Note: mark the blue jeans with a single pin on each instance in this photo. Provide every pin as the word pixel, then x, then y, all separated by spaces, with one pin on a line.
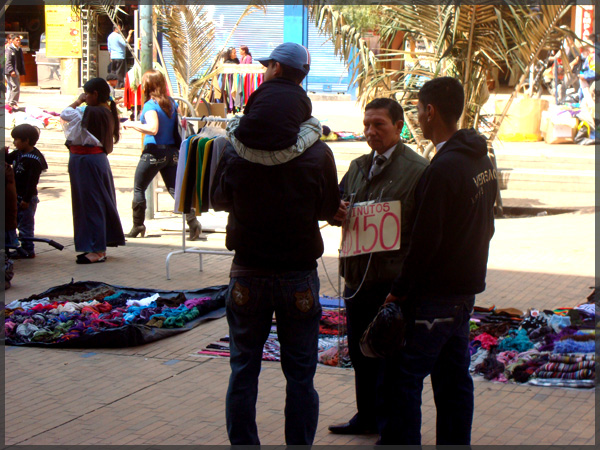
pixel 26 223
pixel 294 296
pixel 437 344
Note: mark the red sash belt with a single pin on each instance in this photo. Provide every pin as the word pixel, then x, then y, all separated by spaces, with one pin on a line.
pixel 82 150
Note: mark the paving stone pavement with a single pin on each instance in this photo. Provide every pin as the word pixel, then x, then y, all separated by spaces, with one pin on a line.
pixel 165 393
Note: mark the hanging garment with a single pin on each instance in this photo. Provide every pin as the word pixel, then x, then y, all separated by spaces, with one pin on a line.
pixel 197 200
pixel 218 148
pixel 189 178
pixel 206 176
pixel 183 154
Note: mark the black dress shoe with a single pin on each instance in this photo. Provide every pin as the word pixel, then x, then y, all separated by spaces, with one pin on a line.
pixel 351 428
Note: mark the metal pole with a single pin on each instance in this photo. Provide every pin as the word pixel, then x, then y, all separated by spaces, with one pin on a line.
pixel 146 64
pixel 340 330
pixel 136 47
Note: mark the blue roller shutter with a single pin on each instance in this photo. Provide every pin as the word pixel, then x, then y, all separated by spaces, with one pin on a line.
pixel 327 72
pixel 168 56
pixel 259 31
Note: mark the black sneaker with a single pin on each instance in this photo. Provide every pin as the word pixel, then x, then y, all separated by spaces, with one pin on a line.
pixel 22 255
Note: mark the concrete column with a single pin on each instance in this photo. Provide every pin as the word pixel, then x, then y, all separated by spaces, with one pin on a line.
pixel 146 64
pixel 69 76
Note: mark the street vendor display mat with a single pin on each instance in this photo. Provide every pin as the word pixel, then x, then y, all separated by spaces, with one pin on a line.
pixel 94 314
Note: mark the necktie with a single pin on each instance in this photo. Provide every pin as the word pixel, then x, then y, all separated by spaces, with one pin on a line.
pixel 377 166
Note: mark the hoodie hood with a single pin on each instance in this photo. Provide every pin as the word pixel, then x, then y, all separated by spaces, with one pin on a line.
pixel 310 132
pixel 467 141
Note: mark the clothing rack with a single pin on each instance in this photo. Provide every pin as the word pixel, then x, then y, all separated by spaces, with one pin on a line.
pixel 184 249
pixel 232 84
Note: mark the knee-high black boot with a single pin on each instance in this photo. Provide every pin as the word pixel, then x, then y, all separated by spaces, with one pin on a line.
pixel 139 214
pixel 194 225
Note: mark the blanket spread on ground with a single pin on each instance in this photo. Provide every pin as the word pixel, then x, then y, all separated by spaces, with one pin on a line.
pixel 95 314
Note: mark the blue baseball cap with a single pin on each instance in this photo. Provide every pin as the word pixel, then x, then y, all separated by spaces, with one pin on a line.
pixel 290 54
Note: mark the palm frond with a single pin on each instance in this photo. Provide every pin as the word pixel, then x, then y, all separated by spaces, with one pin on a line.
pixel 190 35
pixel 465 39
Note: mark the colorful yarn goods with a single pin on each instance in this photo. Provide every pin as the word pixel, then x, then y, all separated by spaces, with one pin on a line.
pixel 331 321
pixel 490 368
pixel 573 346
pixel 564 367
pixel 589 308
pixel 89 310
pixel 507 358
pixel 493 329
pixel 578 337
pixel 585 374
pixel 547 348
pixel 329 357
pixel 487 341
pixel 332 350
pixel 179 320
pixel 522 373
pixel 516 341
pixel 195 302
pixel 571 359
pixel 557 322
pixel 477 358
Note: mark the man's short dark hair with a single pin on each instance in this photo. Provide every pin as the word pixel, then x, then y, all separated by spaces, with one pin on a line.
pixel 26 132
pixel 292 74
pixel 447 95
pixel 393 108
pixel 111 76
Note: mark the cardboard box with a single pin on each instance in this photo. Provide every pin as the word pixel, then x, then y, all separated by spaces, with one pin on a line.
pixel 210 109
pixel 522 122
pixel 560 129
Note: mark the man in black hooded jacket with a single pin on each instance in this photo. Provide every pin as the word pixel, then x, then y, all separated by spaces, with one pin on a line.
pixel 274 209
pixel 445 267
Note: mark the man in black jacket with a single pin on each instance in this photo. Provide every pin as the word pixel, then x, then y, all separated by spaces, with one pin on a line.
pixel 445 267
pixel 15 67
pixel 274 210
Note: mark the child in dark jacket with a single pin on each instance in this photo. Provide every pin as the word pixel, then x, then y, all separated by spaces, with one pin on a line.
pixel 281 100
pixel 10 218
pixel 28 164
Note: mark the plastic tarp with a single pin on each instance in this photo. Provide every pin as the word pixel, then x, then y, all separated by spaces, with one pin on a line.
pixel 131 334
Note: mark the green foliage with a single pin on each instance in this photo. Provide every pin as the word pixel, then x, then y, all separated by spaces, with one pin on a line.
pixel 361 17
pixel 462 40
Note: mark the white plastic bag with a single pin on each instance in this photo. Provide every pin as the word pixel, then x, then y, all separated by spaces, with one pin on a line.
pixel 74 132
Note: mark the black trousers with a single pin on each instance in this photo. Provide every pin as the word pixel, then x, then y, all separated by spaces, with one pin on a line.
pixel 368 372
pixel 152 161
pixel 119 68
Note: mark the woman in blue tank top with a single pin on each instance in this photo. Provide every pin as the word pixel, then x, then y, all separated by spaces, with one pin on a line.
pixel 161 149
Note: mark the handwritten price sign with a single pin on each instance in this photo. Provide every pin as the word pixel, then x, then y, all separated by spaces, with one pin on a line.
pixel 372 227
